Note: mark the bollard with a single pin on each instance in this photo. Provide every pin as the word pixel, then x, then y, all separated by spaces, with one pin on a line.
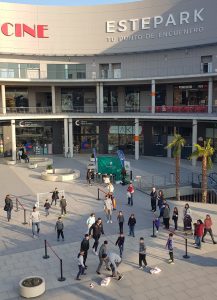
pixel 131 175
pixel 61 278
pixel 17 206
pixel 45 250
pixel 186 249
pixel 24 217
pixel 98 195
pixel 153 234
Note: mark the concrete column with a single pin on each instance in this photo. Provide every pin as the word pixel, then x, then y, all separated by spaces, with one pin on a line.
pixel 210 95
pixel 3 99
pixel 70 138
pixel 194 140
pixel 136 139
pixel 97 98
pixel 13 140
pixel 153 96
pixel 66 137
pixel 53 93
pixel 101 105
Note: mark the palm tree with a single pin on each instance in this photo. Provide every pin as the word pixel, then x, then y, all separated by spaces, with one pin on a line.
pixel 177 143
pixel 205 152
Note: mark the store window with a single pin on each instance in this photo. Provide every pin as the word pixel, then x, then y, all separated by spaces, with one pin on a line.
pixel 110 96
pixel 17 99
pixel 116 71
pixel 14 70
pixel 132 99
pixel 206 64
pixel 104 71
pixel 66 71
pixel 72 100
pixel 160 98
pixel 191 94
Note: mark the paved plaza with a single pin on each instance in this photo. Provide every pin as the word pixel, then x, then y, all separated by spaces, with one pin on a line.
pixel 21 255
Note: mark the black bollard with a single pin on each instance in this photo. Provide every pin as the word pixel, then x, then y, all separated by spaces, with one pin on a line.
pixel 61 278
pixel 17 206
pixel 45 250
pixel 153 234
pixel 131 175
pixel 24 217
pixel 186 249
pixel 98 195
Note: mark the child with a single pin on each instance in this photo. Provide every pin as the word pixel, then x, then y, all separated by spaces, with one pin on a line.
pixel 142 253
pixel 169 246
pixel 46 207
pixel 199 227
pixel 131 224
pixel 175 217
pixel 59 228
pixel 156 223
pixel 81 266
pixel 120 219
pixel 120 243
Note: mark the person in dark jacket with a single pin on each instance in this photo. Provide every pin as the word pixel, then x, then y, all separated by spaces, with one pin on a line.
pixel 55 196
pixel 142 253
pixel 175 217
pixel 63 204
pixel 160 198
pixel 166 216
pixel 131 224
pixel 85 247
pixel 120 219
pixel 153 196
pixel 8 206
pixel 120 243
pixel 59 227
pixel 96 230
pixel 169 246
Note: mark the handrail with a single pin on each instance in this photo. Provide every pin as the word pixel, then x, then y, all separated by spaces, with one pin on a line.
pixel 17 209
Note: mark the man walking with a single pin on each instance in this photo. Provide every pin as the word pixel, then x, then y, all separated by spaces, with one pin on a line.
pixel 84 248
pixel 103 250
pixel 208 228
pixel 153 196
pixel 96 230
pixel 130 192
pixel 108 207
pixel 8 206
pixel 55 196
pixel 63 204
pixel 35 220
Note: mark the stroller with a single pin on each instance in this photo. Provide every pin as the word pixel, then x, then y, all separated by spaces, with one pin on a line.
pixel 187 223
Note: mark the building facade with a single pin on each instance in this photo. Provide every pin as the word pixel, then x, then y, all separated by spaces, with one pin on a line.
pixel 125 76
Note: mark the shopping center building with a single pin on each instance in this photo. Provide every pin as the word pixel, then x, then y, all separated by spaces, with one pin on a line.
pixel 124 76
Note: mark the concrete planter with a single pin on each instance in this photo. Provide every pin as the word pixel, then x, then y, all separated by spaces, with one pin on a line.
pixel 32 286
pixel 11 162
pixel 60 175
pixel 33 166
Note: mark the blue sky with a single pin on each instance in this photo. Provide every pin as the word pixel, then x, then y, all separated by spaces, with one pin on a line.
pixel 68 2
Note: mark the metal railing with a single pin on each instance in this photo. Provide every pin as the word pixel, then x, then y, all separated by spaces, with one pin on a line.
pixel 196 196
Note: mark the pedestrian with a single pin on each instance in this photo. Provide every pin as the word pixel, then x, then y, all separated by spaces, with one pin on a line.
pixel 8 206
pixel 81 266
pixel 35 220
pixel 156 223
pixel 169 246
pixel 153 196
pixel 90 221
pixel 108 207
pixel 199 228
pixel 123 175
pixel 55 196
pixel 114 261
pixel 162 208
pixel 160 198
pixel 63 204
pixel 166 216
pixel 110 188
pixel 46 207
pixel 175 217
pixel 130 192
pixel 120 243
pixel 95 231
pixel 89 176
pixel 186 210
pixel 142 253
pixel 187 218
pixel 103 250
pixel 120 219
pixel 208 228
pixel 59 227
pixel 131 224
pixel 85 245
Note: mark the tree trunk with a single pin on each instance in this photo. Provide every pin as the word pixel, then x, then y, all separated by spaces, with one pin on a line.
pixel 177 178
pixel 204 179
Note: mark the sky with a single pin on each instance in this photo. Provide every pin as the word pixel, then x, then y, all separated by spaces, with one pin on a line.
pixel 67 2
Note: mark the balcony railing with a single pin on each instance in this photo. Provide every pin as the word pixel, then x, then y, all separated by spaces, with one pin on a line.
pixel 182 109
pixel 48 110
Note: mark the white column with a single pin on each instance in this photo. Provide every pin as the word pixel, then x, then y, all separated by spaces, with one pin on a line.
pixel 194 140
pixel 3 99
pixel 210 95
pixel 136 139
pixel 101 105
pixel 66 137
pixel 70 138
pixel 53 95
pixel 153 96
pixel 97 98
pixel 13 140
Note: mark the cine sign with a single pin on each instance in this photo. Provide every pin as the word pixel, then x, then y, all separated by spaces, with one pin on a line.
pixel 21 30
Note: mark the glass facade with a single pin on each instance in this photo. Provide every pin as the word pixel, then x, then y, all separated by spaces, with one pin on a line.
pixel 17 98
pixel 132 99
pixel 66 71
pixel 15 70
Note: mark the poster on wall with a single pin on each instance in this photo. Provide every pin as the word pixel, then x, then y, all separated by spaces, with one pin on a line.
pixel 66 101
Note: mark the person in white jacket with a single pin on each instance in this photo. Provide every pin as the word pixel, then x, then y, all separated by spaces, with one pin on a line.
pixel 114 260
pixel 81 266
pixel 108 207
pixel 90 221
pixel 35 220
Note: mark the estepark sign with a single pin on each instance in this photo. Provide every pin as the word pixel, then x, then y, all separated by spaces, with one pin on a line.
pixel 22 30
pixel 156 22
